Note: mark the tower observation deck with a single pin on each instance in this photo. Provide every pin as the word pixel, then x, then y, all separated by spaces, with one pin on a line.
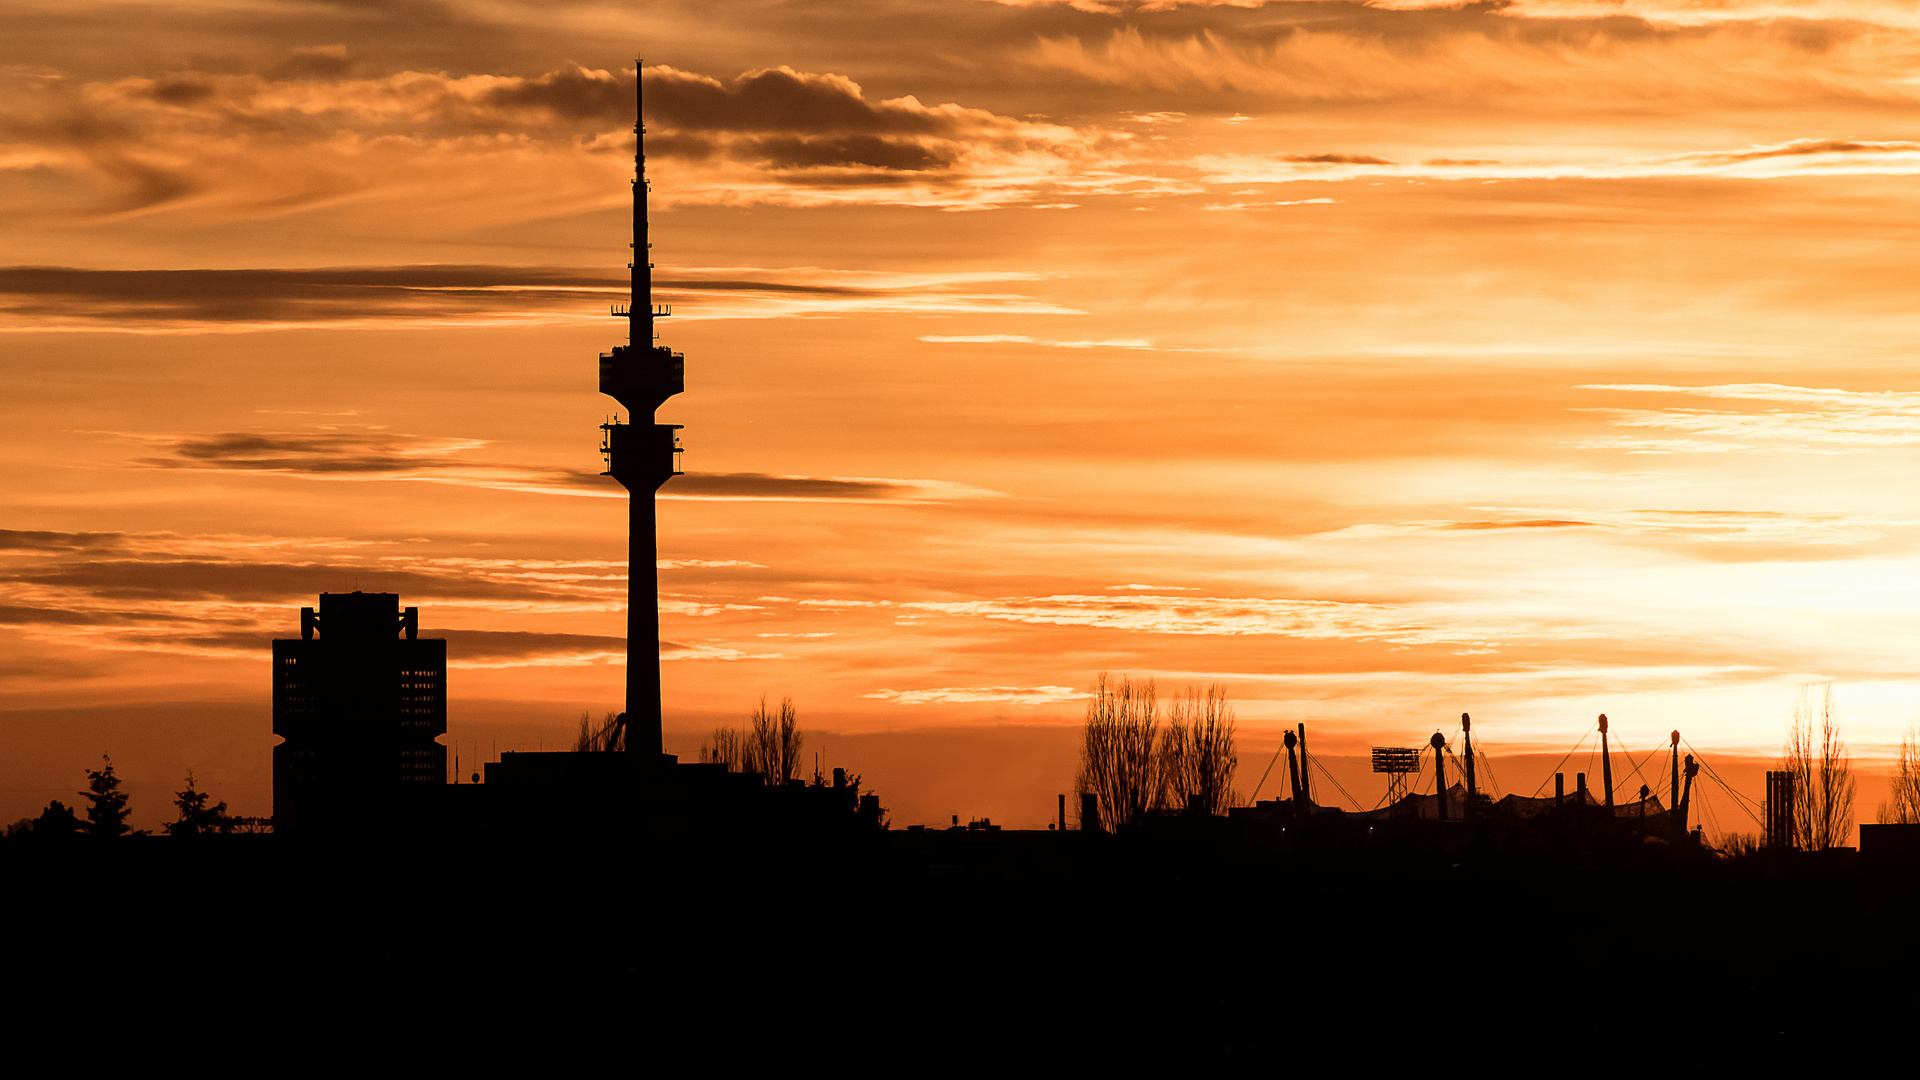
pixel 642 455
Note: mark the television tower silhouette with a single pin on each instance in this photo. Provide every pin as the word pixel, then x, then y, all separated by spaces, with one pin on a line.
pixel 641 375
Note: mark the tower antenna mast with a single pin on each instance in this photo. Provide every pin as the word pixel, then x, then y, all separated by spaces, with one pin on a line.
pixel 640 331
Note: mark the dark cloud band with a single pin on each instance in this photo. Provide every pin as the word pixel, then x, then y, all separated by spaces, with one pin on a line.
pixel 339 293
pixel 400 456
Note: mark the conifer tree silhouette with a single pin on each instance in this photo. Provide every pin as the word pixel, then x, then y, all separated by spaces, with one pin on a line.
pixel 107 809
pixel 196 817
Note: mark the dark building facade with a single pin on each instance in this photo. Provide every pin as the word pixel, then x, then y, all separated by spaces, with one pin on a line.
pixel 359 700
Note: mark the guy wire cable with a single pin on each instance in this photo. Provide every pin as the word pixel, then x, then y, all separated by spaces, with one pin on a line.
pixel 1263 776
pixel 1323 772
pixel 1563 761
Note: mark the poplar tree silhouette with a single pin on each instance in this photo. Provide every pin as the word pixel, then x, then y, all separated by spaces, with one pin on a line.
pixel 769 745
pixel 1822 774
pixel 1196 752
pixel 728 747
pixel 774 741
pixel 1904 807
pixel 1119 764
pixel 107 809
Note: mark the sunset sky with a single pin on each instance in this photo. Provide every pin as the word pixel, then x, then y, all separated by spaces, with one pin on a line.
pixel 1377 361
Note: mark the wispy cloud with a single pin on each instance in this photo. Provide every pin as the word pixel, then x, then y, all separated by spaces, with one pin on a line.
pixel 1022 339
pixel 1007 695
pixel 1789 420
pixel 1682 526
pixel 1196 615
pixel 1810 157
pixel 764 487
pixel 1265 205
pixel 814 292
pixel 1481 53
pixel 1665 12
pixel 1886 13
pixel 705 564
pixel 701 608
pixel 674 650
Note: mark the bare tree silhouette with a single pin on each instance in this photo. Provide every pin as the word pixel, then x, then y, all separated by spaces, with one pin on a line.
pixel 609 734
pixel 1903 808
pixel 728 748
pixel 1119 765
pixel 769 745
pixel 1822 775
pixel 774 741
pixel 1196 751
pixel 1799 767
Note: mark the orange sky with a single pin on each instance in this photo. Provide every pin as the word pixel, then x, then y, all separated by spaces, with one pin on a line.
pixel 1379 362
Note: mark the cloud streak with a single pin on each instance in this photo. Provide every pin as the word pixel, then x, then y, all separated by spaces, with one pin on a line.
pixel 963 695
pixel 379 455
pixel 1789 420
pixel 764 487
pixel 59 297
pixel 1480 53
pixel 1718 527
pixel 1022 339
pixel 1196 615
pixel 1793 159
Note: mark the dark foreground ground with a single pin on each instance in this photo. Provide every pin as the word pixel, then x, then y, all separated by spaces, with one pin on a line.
pixel 884 953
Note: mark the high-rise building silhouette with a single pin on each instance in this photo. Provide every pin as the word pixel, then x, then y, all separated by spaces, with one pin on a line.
pixel 360 707
pixel 642 455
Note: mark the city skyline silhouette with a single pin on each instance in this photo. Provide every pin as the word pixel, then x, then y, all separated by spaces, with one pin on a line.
pixel 1039 343
pixel 1209 533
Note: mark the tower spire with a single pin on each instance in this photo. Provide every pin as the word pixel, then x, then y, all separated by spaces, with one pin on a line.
pixel 642 455
pixel 640 305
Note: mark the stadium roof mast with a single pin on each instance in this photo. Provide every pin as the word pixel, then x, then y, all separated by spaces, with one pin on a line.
pixel 641 375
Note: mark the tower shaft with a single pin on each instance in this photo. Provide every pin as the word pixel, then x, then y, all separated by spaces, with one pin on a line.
pixel 643 625
pixel 641 456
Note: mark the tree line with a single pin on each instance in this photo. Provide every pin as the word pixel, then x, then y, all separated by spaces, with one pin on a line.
pixel 769 744
pixel 106 812
pixel 1138 758
pixel 1820 771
